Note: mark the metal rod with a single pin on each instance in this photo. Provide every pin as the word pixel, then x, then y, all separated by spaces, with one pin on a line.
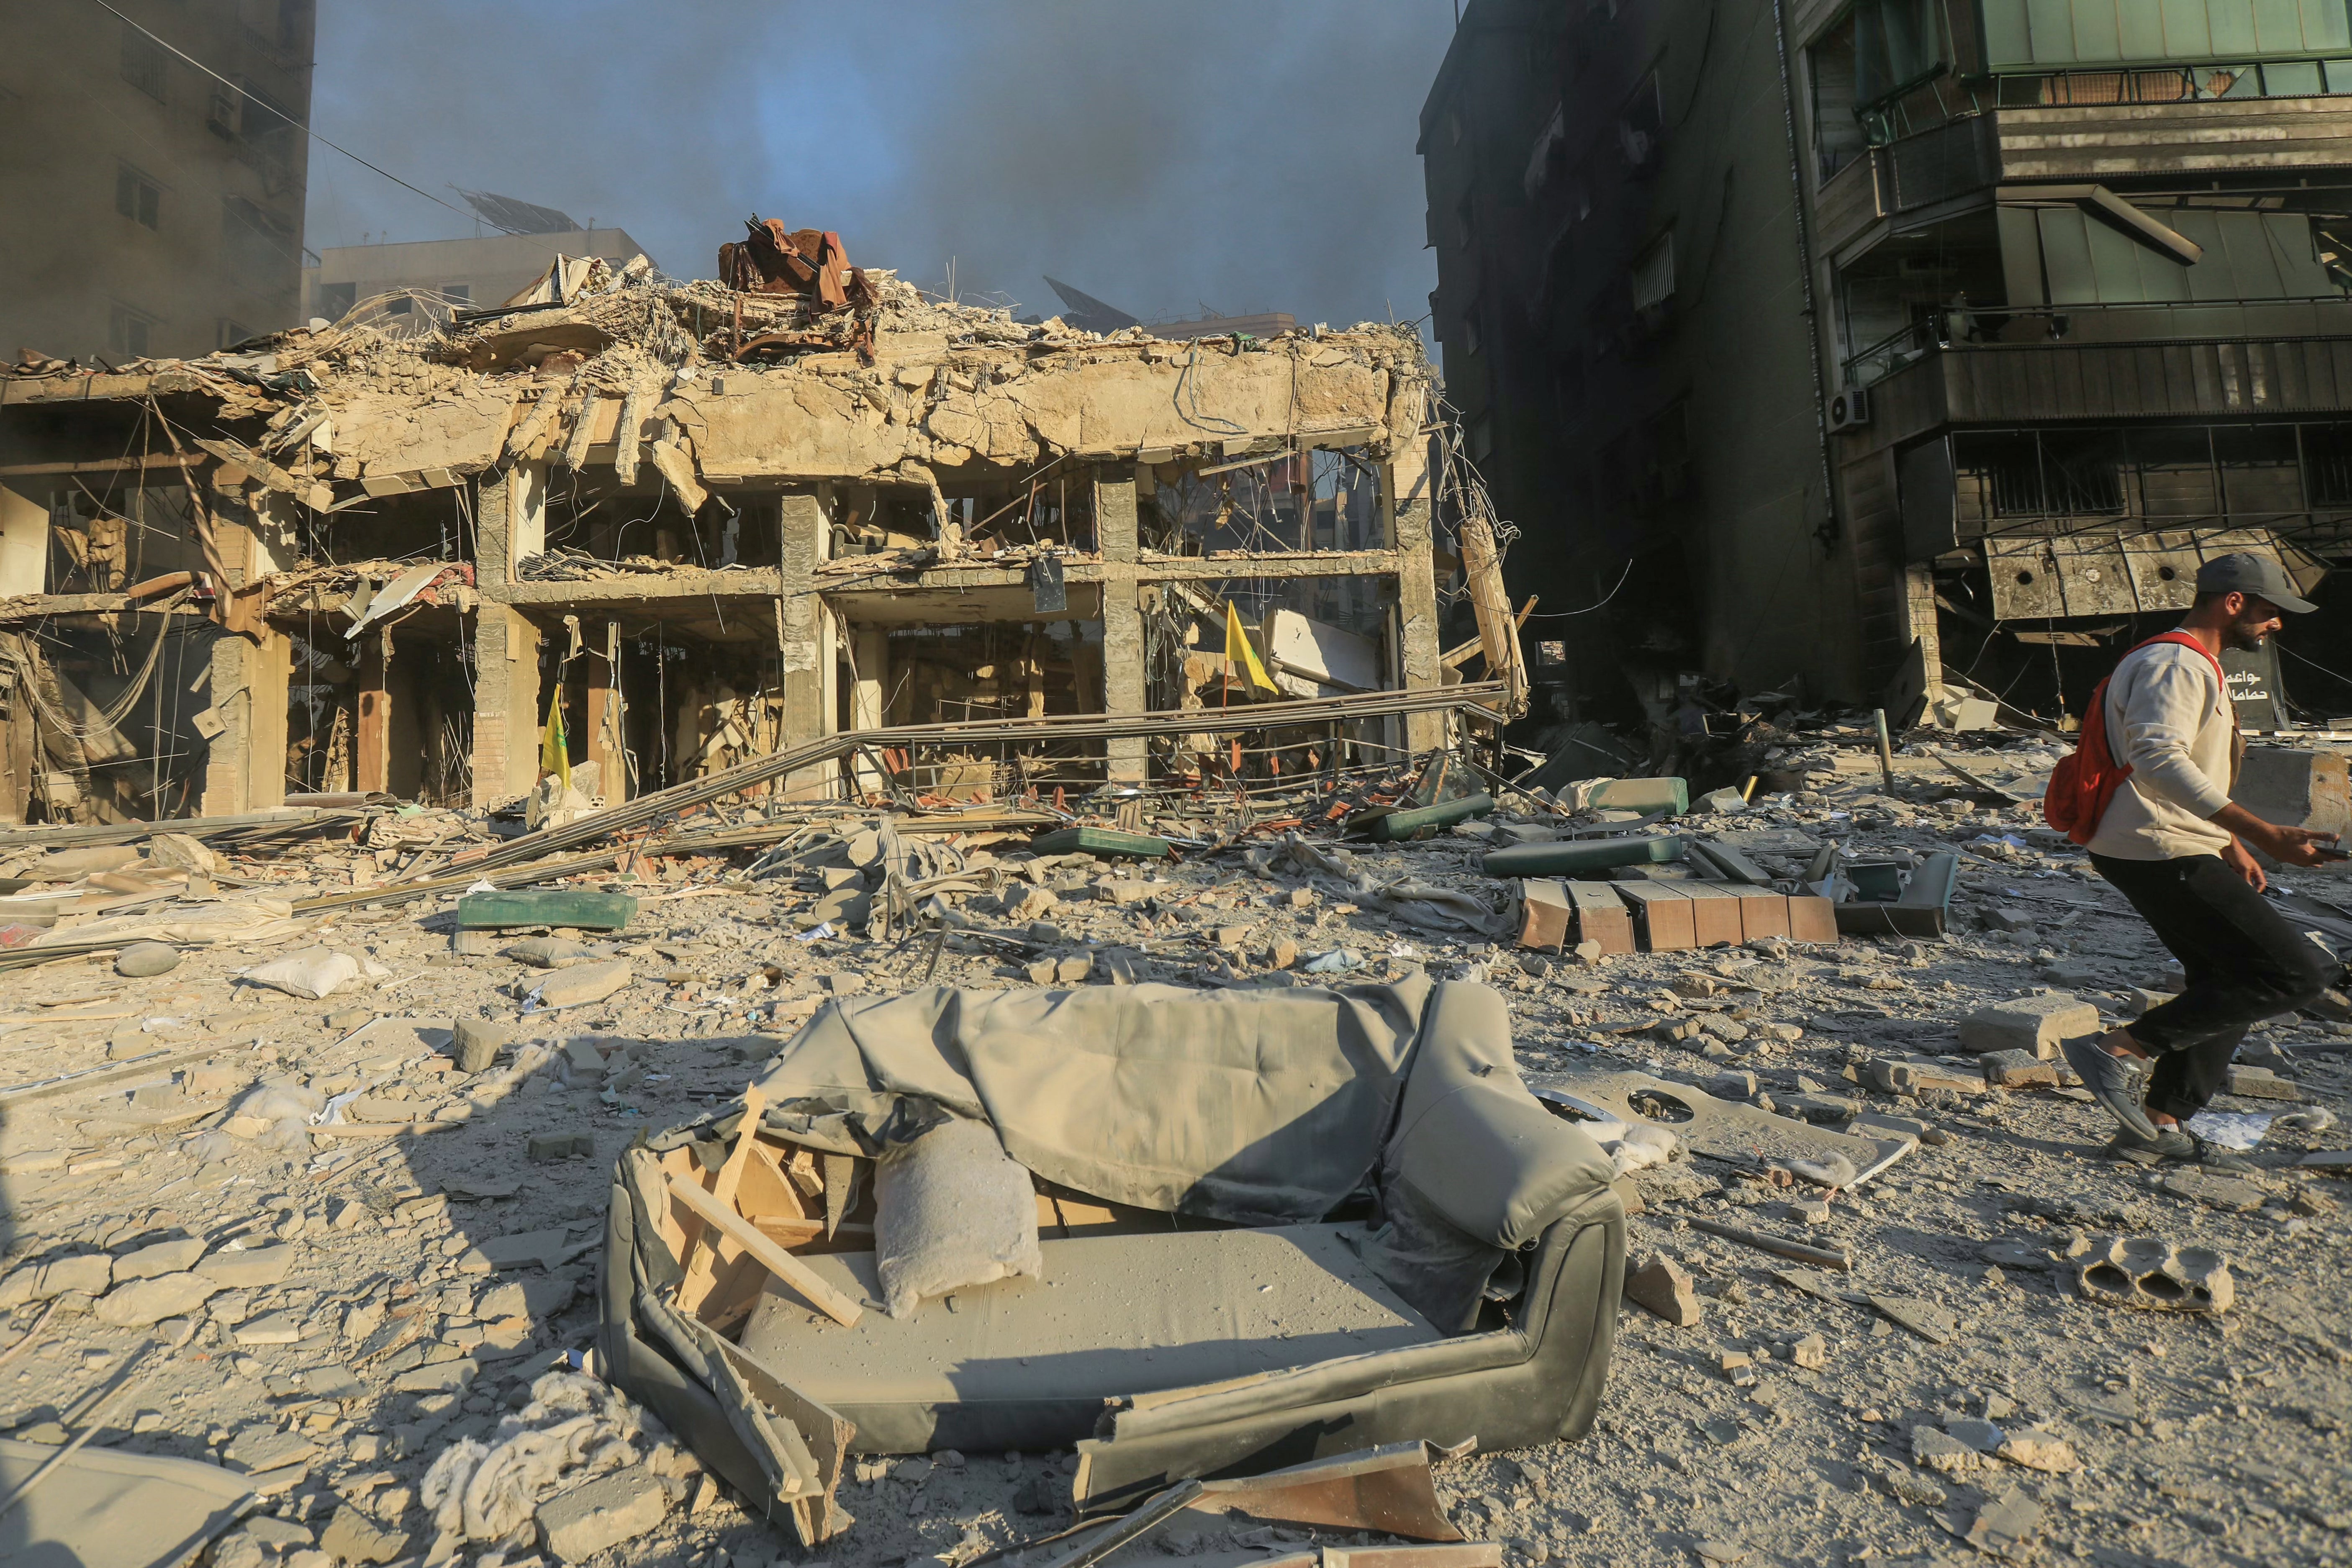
pixel 1885 749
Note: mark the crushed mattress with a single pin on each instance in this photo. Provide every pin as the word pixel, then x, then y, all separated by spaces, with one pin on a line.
pixel 1029 1363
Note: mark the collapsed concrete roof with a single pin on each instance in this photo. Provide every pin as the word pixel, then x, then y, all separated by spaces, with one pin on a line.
pixel 842 395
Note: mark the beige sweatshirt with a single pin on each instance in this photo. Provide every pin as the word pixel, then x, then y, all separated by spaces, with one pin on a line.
pixel 2170 720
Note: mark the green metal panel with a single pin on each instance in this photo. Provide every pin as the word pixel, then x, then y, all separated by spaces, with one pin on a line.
pixel 2187 36
pixel 2021 257
pixel 2300 275
pixel 2115 264
pixel 1570 857
pixel 575 907
pixel 2278 26
pixel 1099 842
pixel 2253 264
pixel 2098 36
pixel 2233 25
pixel 2215 276
pixel 2051 25
pixel 2067 257
pixel 2327 24
pixel 1395 827
pixel 2139 31
pixel 2009 41
pixel 2160 277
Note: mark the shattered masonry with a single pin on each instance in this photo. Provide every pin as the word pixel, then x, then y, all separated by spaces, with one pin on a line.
pixel 725 522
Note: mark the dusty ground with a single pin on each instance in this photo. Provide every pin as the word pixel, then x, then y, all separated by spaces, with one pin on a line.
pixel 2200 1440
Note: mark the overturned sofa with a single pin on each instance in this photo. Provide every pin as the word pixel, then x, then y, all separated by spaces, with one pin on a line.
pixel 1270 1225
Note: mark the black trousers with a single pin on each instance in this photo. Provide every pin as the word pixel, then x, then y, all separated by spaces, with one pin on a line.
pixel 2243 961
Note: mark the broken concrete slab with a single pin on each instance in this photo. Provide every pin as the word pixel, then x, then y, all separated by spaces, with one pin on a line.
pixel 1664 1288
pixel 2034 1024
pixel 247 1267
pixel 580 986
pixel 144 1302
pixel 2152 1275
pixel 600 1515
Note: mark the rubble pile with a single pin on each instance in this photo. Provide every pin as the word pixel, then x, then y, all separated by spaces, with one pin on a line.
pixel 347 1162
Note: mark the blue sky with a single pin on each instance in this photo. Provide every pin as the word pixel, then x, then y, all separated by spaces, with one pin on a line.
pixel 1247 155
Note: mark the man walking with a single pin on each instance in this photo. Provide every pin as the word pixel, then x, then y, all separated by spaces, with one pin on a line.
pixel 2172 841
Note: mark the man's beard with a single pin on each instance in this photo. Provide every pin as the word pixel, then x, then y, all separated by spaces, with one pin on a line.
pixel 2244 634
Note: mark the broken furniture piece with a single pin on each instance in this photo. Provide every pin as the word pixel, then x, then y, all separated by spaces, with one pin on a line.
pixel 1922 909
pixel 559 908
pixel 1473 1299
pixel 1726 1132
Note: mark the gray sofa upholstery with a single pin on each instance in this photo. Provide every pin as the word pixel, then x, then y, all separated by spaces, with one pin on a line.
pixel 1475 1301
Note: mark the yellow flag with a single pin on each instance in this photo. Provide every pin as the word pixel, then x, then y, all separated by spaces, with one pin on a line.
pixel 554 749
pixel 1238 651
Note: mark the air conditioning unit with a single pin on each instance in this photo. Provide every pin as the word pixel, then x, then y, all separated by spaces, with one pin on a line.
pixel 1850 409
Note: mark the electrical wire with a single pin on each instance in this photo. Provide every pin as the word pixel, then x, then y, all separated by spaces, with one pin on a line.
pixel 1564 614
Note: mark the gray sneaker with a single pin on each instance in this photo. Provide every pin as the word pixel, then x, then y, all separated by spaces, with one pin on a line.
pixel 2175 1146
pixel 2117 1083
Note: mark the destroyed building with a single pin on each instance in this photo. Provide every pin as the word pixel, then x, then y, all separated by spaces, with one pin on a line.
pixel 1916 351
pixel 685 525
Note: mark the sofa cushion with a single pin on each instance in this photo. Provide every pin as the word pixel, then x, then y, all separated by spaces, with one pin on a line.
pixel 1027 1364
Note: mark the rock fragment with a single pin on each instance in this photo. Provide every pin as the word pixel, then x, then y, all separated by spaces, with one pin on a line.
pixel 1665 1289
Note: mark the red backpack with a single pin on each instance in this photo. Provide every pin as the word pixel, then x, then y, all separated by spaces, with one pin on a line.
pixel 2086 779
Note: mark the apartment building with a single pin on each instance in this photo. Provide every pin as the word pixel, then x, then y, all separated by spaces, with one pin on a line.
pixel 2014 311
pixel 154 209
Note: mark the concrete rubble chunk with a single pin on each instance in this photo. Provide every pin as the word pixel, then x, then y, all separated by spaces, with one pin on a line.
pixel 2031 1024
pixel 249 1266
pixel 1665 1289
pixel 142 1302
pixel 161 1257
pixel 581 985
pixel 2151 1274
pixel 353 1537
pixel 602 1514
pixel 2261 1083
pixel 1813 1353
pixel 2011 1069
pixel 2005 1526
pixel 1940 1451
pixel 544 1148
pixel 2040 1452
pixel 145 960
pixel 260 1447
pixel 477 1043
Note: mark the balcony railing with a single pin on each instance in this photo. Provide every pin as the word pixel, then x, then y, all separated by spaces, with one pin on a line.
pixel 2174 83
pixel 1984 326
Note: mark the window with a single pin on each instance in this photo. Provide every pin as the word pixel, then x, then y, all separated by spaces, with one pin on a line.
pixel 1898 45
pixel 1452 127
pixel 290 14
pixel 460 294
pixel 1653 274
pixel 143 60
pixel 1544 156
pixel 254 238
pixel 136 197
pixel 1641 123
pixel 229 334
pixel 1482 437
pixel 1472 339
pixel 1462 231
pixel 1838 136
pixel 336 300
pixel 1551 651
pixel 127 330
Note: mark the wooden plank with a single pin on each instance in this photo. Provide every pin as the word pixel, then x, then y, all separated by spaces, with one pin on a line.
pixel 771 1258
pixel 1662 915
pixel 709 1252
pixel 1548 919
pixel 1602 917
pixel 373 769
pixel 1763 912
pixel 1811 919
pixel 1715 912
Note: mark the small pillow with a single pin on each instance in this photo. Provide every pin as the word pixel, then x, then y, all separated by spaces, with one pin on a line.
pixel 951 1209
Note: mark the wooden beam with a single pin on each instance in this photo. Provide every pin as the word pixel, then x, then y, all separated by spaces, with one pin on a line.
pixel 771 1256
pixel 104 465
pixel 372 767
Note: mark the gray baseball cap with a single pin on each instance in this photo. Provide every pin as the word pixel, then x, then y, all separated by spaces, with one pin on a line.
pixel 2257 576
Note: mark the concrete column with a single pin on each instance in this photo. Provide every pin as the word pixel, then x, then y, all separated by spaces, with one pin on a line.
pixel 1123 682
pixel 870 689
pixel 505 706
pixel 493 528
pixel 604 743
pixel 526 514
pixel 1920 625
pixel 1406 521
pixel 24 541
pixel 807 641
pixel 245 764
pixel 371 760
